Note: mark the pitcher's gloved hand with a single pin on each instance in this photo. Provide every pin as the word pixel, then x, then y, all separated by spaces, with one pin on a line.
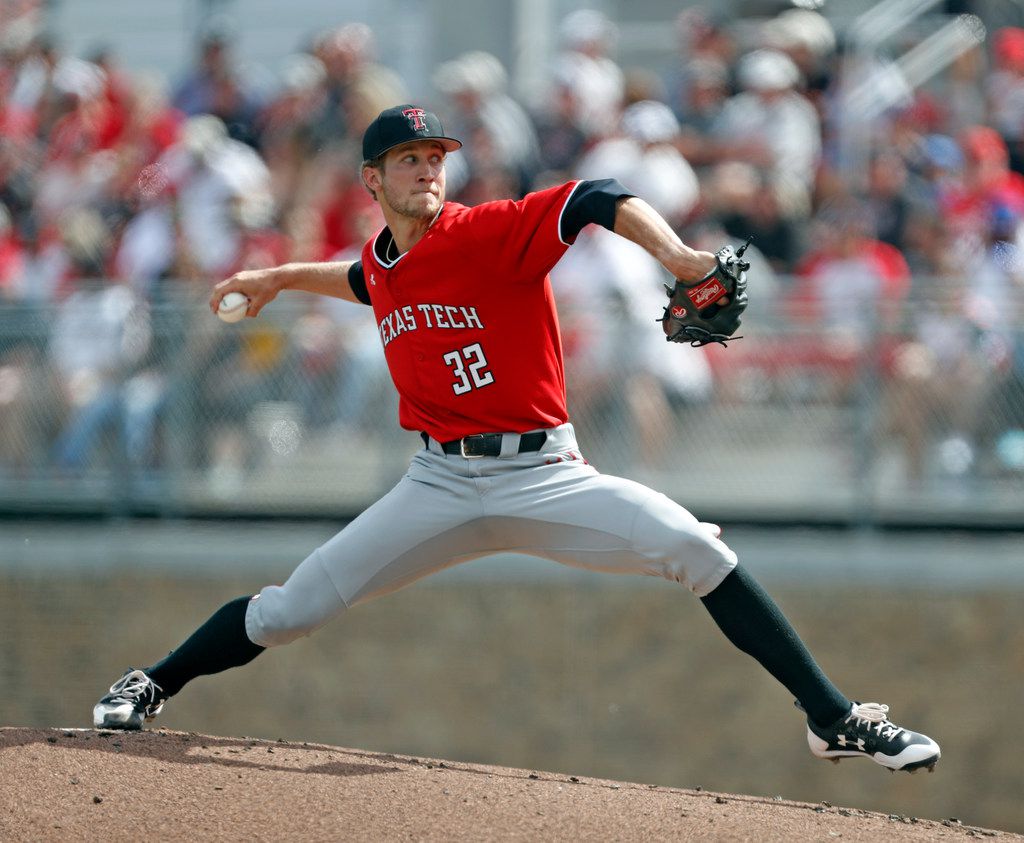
pixel 709 310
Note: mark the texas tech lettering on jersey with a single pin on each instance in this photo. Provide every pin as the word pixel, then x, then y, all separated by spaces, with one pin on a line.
pixel 404 319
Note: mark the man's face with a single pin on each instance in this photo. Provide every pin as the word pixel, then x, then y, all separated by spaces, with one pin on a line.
pixel 411 182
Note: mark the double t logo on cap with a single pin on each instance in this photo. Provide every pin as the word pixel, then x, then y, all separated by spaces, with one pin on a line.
pixel 416 118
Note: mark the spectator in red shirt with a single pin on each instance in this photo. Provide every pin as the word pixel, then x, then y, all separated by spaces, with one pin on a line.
pixel 850 287
pixel 846 241
pixel 12 254
pixel 343 205
pixel 1004 90
pixel 988 183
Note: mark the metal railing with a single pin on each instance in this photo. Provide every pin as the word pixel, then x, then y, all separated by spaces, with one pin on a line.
pixel 115 406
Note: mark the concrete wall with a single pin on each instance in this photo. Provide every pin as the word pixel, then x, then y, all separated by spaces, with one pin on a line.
pixel 581 674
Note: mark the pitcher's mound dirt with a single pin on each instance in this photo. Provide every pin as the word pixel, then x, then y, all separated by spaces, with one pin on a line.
pixel 73 784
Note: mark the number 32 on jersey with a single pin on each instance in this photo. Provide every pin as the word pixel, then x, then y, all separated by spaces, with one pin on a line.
pixel 469 367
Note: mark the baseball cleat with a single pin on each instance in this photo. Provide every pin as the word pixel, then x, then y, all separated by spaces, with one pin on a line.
pixel 134 699
pixel 867 732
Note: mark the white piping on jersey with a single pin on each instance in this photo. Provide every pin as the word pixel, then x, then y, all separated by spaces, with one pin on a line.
pixel 389 264
pixel 567 198
pixel 376 257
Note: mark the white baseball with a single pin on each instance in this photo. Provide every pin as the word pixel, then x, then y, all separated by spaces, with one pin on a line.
pixel 232 307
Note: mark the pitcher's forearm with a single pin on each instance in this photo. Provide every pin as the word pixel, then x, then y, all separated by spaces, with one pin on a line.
pixel 261 286
pixel 637 221
pixel 325 279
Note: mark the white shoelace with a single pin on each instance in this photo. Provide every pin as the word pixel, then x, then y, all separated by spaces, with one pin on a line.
pixel 876 714
pixel 134 685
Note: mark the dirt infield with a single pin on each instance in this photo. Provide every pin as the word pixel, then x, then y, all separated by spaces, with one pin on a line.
pixel 61 784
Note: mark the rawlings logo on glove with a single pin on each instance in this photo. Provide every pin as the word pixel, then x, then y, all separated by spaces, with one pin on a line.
pixel 709 310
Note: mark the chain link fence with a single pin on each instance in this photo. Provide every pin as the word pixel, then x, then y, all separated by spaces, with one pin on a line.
pixel 111 405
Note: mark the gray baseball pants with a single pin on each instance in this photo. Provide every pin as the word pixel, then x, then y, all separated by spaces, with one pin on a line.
pixel 450 509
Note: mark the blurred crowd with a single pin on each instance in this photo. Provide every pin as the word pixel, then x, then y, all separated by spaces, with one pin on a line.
pixel 121 192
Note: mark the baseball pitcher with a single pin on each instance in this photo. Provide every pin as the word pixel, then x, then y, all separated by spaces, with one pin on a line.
pixel 467 323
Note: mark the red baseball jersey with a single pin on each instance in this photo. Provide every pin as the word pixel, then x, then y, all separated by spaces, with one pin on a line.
pixel 468 321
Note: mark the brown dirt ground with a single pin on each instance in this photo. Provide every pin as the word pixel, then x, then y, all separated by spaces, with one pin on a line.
pixel 80 784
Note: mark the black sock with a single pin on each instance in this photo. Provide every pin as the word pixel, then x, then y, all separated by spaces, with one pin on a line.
pixel 753 622
pixel 218 644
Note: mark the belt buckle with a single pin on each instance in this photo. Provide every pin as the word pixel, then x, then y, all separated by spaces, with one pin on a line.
pixel 462 447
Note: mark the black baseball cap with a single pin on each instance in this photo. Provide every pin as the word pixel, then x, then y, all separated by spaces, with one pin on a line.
pixel 402 124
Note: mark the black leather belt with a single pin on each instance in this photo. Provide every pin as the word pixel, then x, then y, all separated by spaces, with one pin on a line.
pixel 489 444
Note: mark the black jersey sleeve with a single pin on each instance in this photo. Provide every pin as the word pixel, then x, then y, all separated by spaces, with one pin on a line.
pixel 592 201
pixel 357 281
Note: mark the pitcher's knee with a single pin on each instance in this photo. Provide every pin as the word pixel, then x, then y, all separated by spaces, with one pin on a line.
pixel 680 548
pixel 273 618
pixel 699 565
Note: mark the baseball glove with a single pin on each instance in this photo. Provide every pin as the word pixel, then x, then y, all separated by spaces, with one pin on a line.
pixel 695 313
